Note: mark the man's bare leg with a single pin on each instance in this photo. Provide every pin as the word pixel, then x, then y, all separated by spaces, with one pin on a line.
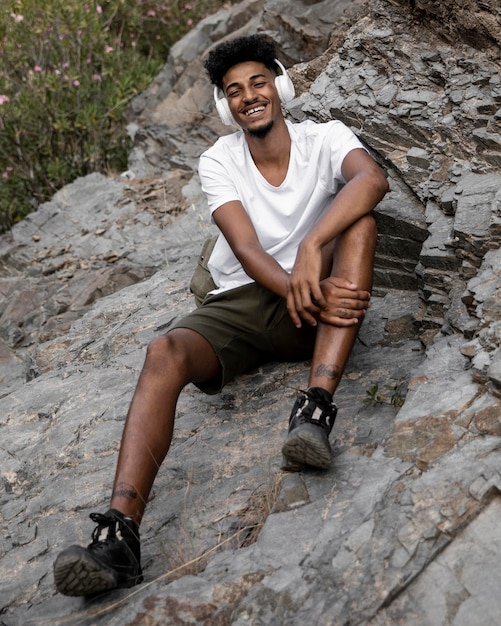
pixel 313 415
pixel 353 259
pixel 113 558
pixel 172 361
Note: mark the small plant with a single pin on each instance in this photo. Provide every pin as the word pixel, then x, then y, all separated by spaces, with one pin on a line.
pixel 391 394
pixel 68 69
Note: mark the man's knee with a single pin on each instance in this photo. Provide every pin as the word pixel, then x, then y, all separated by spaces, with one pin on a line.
pixel 366 227
pixel 165 348
pixel 167 357
pixel 185 351
pixel 158 349
pixel 361 236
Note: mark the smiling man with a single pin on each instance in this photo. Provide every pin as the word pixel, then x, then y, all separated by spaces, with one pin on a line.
pixel 251 76
pixel 293 273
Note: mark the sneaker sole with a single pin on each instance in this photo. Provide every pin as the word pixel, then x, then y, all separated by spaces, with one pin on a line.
pixel 76 573
pixel 289 465
pixel 303 447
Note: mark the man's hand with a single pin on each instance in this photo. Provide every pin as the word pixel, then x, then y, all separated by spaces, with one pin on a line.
pixel 346 304
pixel 305 297
pixel 334 300
pixel 341 303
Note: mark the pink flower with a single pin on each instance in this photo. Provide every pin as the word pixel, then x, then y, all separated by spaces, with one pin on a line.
pixel 108 49
pixel 188 7
pixel 17 17
pixel 189 21
pixel 99 8
pixel 4 99
pixel 96 77
pixel 151 13
pixel 133 44
pixel 65 65
pixel 76 83
pixel 37 68
pixel 57 72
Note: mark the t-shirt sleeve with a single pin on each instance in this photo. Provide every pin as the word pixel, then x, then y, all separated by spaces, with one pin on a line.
pixel 217 182
pixel 339 140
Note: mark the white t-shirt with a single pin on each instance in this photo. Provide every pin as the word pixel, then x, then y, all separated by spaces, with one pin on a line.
pixel 281 215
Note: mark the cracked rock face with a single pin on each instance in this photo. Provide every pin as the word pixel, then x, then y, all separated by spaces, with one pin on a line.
pixel 404 527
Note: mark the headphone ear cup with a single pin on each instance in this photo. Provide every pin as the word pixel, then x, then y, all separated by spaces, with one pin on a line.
pixel 284 85
pixel 223 109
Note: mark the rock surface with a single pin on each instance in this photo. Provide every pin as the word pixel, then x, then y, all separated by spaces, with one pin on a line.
pixel 404 528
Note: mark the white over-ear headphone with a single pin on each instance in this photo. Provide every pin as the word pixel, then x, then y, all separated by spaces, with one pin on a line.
pixel 283 84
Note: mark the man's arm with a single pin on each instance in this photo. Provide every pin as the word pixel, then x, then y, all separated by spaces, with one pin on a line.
pixel 236 226
pixel 366 185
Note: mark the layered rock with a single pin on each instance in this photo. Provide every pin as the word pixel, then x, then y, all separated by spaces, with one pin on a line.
pixel 403 529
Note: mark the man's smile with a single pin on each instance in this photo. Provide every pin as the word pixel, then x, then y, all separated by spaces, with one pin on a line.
pixel 254 110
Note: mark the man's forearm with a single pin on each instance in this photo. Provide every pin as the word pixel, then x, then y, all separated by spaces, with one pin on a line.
pixel 358 198
pixel 264 269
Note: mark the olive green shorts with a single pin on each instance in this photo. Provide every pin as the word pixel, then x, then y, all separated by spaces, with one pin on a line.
pixel 247 326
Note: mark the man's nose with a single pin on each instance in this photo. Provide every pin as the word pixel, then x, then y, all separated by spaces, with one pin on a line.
pixel 249 94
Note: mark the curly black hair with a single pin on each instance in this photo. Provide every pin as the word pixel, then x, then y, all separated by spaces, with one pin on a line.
pixel 228 53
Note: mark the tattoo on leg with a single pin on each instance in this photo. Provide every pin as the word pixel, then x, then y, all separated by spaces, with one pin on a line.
pixel 124 490
pixel 328 371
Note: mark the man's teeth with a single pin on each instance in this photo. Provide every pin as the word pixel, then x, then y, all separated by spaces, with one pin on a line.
pixel 255 110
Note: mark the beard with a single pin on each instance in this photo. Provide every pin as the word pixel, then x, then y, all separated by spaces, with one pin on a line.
pixel 261 132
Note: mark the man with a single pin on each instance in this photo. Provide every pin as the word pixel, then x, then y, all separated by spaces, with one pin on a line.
pixel 293 269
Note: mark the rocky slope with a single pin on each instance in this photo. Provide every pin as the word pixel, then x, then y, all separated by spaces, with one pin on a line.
pixel 404 528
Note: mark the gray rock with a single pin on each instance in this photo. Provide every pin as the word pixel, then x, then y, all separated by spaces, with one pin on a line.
pixel 402 528
pixel 419 158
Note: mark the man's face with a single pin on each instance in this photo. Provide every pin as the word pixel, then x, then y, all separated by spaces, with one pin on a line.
pixel 252 97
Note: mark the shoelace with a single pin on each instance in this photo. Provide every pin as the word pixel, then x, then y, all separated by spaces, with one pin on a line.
pixel 323 413
pixel 105 523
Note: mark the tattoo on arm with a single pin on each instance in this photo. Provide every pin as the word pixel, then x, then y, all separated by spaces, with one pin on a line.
pixel 125 490
pixel 328 371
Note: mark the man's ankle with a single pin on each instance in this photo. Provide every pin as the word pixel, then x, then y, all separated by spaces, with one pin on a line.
pixel 320 392
pixel 130 512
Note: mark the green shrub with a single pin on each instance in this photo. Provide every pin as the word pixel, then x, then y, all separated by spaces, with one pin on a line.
pixel 68 69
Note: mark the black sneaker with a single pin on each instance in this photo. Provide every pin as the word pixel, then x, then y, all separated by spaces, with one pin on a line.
pixel 310 424
pixel 112 560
